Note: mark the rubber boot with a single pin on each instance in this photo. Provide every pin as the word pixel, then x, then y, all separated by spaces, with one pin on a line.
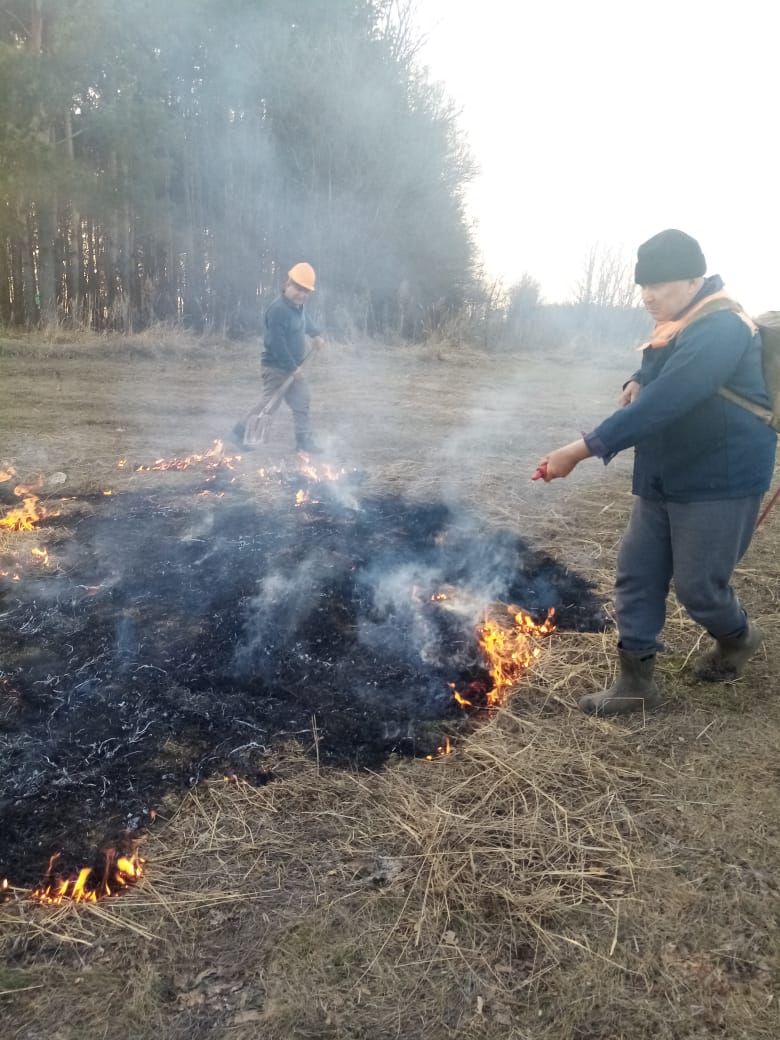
pixel 633 690
pixel 236 436
pixel 306 443
pixel 727 659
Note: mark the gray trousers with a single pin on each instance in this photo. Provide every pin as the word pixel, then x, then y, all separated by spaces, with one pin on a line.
pixel 297 397
pixel 698 544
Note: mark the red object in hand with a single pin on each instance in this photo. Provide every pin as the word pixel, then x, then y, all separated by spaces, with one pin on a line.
pixel 540 473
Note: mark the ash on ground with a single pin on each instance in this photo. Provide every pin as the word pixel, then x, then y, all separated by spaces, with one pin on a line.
pixel 186 635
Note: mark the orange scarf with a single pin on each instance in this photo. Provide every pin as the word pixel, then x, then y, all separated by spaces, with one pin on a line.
pixel 665 331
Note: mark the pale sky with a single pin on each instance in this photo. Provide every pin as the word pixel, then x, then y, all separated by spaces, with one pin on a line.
pixel 605 121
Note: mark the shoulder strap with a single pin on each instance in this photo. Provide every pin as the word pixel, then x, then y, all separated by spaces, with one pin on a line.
pixel 713 306
pixel 764 414
pixel 761 412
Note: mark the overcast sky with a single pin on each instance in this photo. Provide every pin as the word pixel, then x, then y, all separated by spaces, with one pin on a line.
pixel 606 121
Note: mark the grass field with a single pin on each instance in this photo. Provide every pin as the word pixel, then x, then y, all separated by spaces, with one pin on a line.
pixel 555 878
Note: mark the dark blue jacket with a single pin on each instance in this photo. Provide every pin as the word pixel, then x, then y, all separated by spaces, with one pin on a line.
pixel 690 443
pixel 286 328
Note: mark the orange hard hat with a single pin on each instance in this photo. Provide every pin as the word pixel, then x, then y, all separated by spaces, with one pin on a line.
pixel 303 274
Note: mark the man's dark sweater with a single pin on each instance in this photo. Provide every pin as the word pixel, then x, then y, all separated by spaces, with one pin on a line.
pixel 286 328
pixel 693 445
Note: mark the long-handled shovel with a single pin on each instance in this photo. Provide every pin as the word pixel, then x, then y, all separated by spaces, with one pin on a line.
pixel 256 426
pixel 767 509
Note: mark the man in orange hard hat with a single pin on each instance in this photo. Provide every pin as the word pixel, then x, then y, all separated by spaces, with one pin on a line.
pixel 286 327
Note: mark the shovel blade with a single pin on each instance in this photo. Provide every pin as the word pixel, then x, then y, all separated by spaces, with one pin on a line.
pixel 256 431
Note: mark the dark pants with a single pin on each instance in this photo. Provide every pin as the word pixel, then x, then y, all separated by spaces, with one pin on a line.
pixel 297 396
pixel 698 544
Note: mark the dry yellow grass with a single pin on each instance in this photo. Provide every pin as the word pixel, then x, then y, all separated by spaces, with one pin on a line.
pixel 556 878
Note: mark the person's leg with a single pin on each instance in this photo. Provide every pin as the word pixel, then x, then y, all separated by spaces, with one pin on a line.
pixel 271 380
pixel 642 580
pixel 709 539
pixel 644 572
pixel 298 397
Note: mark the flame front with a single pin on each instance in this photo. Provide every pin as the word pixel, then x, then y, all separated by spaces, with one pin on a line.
pixel 320 473
pixel 323 471
pixel 214 458
pixel 25 516
pixel 509 643
pixel 90 884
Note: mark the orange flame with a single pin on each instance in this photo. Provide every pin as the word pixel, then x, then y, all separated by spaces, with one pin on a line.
pixel 214 458
pixel 90 885
pixel 27 515
pixel 322 472
pixel 509 643
pixel 441 751
pixel 41 555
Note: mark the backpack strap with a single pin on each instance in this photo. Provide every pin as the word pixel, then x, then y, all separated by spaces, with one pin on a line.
pixel 723 303
pixel 764 414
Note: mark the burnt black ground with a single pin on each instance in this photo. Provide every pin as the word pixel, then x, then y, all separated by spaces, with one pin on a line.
pixel 182 636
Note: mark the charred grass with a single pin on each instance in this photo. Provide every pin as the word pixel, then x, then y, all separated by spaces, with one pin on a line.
pixel 555 878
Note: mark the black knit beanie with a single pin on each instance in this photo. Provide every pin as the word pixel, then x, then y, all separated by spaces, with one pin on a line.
pixel 669 256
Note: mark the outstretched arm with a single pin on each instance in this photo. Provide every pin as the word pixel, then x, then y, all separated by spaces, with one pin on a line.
pixel 561 462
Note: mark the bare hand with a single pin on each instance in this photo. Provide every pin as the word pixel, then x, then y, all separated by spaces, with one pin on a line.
pixel 561 462
pixel 629 394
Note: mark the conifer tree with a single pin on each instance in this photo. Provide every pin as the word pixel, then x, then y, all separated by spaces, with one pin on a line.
pixel 169 161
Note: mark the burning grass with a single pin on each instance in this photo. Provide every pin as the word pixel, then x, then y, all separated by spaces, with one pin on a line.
pixel 554 878
pixel 115 870
pixel 180 636
pixel 453 887
pixel 539 881
pixel 27 510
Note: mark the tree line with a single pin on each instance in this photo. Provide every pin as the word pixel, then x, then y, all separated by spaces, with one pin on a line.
pixel 169 162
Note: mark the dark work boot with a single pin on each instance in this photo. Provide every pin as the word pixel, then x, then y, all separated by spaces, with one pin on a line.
pixel 633 690
pixel 306 443
pixel 236 435
pixel 727 659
